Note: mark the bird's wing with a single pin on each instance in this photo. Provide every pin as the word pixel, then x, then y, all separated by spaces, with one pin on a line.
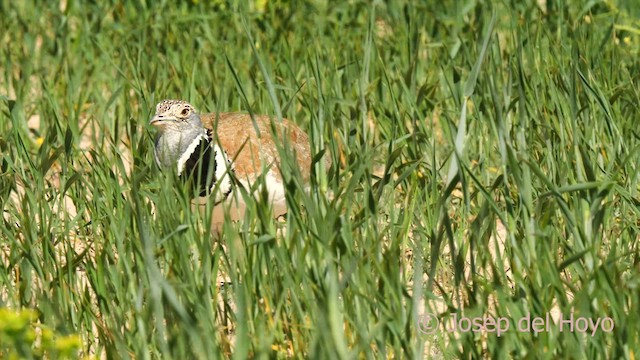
pixel 236 134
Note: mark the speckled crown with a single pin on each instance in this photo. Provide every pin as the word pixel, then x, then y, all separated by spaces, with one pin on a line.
pixel 165 104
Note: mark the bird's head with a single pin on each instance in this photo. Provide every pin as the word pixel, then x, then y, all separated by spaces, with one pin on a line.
pixel 175 115
pixel 180 131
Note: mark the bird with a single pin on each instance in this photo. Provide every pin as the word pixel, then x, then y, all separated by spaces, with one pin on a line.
pixel 220 152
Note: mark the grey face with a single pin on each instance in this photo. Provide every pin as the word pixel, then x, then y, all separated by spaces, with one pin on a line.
pixel 179 128
pixel 175 115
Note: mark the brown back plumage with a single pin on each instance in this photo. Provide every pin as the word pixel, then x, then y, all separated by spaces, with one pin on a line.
pixel 234 129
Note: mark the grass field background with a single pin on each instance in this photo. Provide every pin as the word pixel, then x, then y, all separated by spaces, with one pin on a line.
pixel 485 164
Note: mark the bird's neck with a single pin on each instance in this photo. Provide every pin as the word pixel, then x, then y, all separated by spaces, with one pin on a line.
pixel 171 145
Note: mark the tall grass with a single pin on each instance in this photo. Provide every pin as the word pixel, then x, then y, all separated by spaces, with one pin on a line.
pixel 484 164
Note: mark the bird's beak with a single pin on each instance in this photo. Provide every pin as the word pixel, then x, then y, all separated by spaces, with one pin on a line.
pixel 161 120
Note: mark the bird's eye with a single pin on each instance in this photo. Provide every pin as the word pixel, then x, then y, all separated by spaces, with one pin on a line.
pixel 185 112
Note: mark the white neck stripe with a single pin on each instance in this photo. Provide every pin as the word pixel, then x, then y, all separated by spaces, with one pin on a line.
pixel 221 176
pixel 182 160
